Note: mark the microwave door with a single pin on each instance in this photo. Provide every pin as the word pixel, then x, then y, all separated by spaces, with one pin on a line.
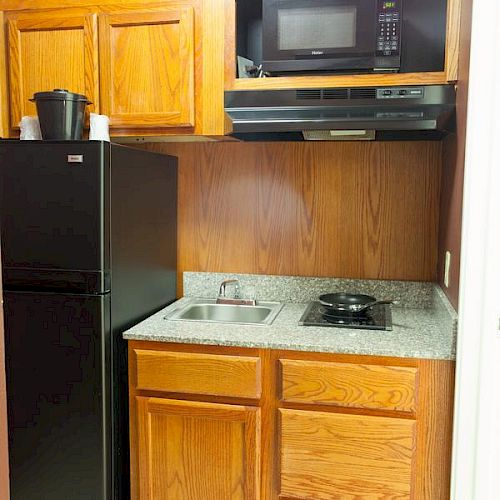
pixel 321 35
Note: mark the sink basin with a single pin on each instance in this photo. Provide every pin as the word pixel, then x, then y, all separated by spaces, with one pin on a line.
pixel 207 310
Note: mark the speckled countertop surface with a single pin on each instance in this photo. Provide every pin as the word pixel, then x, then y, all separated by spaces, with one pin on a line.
pixel 420 332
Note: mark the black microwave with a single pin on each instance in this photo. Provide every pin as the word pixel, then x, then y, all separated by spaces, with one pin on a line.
pixel 351 35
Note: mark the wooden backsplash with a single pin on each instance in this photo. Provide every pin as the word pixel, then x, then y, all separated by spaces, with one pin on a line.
pixel 352 209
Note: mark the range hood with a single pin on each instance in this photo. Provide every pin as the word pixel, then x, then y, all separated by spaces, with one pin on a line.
pixel 406 108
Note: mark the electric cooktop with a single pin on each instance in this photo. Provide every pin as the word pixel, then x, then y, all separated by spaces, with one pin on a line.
pixel 378 317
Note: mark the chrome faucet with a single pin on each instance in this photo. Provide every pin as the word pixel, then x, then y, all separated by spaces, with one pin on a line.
pixel 222 288
pixel 237 299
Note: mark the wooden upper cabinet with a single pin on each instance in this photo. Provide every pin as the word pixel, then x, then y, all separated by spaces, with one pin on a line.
pixel 192 451
pixel 155 68
pixel 56 49
pixel 147 68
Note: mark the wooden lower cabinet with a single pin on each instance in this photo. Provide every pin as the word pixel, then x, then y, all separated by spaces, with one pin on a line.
pixel 350 385
pixel 198 373
pixel 257 424
pixel 331 455
pixel 192 451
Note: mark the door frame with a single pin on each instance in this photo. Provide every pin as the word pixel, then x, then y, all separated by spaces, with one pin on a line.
pixel 476 450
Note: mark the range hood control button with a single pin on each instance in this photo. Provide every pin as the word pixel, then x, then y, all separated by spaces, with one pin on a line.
pixel 401 93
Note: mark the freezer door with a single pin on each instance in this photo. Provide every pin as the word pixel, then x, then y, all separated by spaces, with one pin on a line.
pixel 54 205
pixel 57 362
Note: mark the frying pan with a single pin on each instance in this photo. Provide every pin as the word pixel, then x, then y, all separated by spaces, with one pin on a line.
pixel 349 302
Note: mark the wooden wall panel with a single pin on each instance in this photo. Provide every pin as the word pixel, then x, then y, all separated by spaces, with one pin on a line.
pixel 450 226
pixel 358 210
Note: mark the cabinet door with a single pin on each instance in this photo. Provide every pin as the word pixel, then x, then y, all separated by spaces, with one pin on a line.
pixel 147 66
pixel 49 51
pixel 191 451
pixel 331 455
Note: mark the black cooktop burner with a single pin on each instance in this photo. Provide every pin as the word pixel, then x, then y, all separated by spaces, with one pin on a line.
pixel 376 318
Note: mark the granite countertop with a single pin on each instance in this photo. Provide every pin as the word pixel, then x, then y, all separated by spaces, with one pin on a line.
pixel 427 331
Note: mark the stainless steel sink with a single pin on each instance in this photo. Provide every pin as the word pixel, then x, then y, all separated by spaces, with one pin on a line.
pixel 208 310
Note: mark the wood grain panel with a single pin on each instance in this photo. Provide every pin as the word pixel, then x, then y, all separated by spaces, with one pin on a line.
pixel 434 430
pixel 269 429
pixel 359 210
pixel 434 417
pixel 36 42
pixel 450 226
pixel 213 115
pixel 353 457
pixel 209 116
pixel 229 44
pixel 144 48
pixel 346 384
pixel 50 4
pixel 235 376
pixel 147 67
pixel 4 94
pixel 189 451
pixel 452 39
pixel 312 82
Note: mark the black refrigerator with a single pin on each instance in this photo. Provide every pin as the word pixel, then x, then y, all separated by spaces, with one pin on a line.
pixel 88 232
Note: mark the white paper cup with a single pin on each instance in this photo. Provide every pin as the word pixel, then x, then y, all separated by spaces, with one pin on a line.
pixel 30 129
pixel 99 127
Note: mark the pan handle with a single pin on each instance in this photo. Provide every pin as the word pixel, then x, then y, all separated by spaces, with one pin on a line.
pixel 359 308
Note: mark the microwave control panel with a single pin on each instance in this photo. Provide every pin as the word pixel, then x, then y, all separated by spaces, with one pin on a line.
pixel 388 30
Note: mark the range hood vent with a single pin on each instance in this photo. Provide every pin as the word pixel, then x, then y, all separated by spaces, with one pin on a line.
pixel 363 93
pixel 322 94
pixel 309 94
pixel 335 93
pixel 317 94
pixel 409 108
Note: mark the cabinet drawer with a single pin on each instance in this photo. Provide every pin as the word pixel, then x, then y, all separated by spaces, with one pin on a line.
pixel 352 385
pixel 329 455
pixel 210 374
